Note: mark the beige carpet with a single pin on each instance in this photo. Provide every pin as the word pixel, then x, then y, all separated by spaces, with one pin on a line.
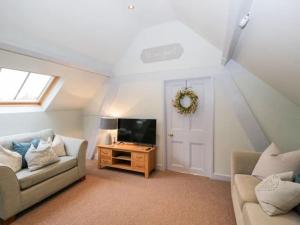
pixel 110 197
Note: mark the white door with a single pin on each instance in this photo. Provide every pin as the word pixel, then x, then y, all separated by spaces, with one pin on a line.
pixel 190 137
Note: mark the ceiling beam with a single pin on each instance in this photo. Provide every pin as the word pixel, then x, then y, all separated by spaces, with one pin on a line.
pixel 238 9
pixel 69 59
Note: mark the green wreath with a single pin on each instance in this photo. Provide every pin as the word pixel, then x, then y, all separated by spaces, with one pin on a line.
pixel 181 94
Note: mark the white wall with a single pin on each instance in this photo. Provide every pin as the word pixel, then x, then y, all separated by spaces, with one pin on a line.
pixel 141 96
pixel 137 88
pixel 67 123
pixel 277 115
pixel 197 51
pixel 229 134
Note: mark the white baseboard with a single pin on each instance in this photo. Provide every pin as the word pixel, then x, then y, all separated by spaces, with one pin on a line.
pixel 222 177
pixel 215 176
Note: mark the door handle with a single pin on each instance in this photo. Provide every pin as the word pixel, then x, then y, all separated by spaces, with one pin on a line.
pixel 171 135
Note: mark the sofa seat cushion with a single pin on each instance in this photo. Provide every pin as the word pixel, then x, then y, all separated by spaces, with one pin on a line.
pixel 27 179
pixel 245 187
pixel 254 215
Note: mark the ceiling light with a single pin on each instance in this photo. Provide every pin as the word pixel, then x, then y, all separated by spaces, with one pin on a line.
pixel 131 7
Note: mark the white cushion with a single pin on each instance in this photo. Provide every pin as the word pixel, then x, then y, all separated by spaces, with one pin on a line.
pixel 59 146
pixel 41 156
pixel 45 143
pixel 277 194
pixel 10 159
pixel 272 161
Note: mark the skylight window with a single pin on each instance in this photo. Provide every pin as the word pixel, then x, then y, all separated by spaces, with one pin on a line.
pixel 19 87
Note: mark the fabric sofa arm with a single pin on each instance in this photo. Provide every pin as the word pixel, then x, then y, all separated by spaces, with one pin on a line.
pixel 243 162
pixel 10 197
pixel 77 148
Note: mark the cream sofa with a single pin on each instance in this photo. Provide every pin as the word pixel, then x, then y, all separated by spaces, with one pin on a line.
pixel 23 189
pixel 246 207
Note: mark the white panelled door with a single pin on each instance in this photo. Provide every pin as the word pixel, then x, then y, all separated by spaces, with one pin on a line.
pixel 190 137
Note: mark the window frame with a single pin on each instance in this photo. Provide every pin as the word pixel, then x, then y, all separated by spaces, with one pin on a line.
pixel 44 93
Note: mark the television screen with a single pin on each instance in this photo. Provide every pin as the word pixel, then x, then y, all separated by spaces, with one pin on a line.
pixel 141 131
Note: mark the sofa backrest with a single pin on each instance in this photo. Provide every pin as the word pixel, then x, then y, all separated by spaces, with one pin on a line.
pixel 6 141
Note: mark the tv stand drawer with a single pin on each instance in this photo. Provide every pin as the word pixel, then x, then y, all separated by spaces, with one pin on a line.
pixel 106 157
pixel 106 161
pixel 138 157
pixel 140 166
pixel 106 152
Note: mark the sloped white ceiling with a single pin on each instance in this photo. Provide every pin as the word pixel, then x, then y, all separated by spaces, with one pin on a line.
pixel 96 33
pixel 101 30
pixel 98 29
pixel 207 17
pixel 92 35
pixel 269 47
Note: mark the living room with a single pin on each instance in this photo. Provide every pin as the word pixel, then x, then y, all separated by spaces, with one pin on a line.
pixel 138 112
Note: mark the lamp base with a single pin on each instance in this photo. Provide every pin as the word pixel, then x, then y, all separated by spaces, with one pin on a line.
pixel 108 139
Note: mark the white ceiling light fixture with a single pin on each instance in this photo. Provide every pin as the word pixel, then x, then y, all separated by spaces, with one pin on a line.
pixel 131 7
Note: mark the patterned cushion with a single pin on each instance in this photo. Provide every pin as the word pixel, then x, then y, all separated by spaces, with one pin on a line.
pixel 277 194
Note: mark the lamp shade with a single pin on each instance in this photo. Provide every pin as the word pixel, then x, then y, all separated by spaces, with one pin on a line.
pixel 108 123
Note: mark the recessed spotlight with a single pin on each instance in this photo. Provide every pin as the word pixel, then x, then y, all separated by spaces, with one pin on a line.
pixel 131 7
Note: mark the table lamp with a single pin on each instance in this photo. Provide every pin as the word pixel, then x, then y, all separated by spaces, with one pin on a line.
pixel 108 123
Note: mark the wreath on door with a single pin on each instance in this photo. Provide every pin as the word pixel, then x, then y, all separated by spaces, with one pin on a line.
pixel 180 96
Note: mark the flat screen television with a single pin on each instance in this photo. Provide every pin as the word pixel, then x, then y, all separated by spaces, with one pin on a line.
pixel 141 131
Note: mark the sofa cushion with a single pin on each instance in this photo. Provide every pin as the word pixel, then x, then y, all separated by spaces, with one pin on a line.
pixel 254 215
pixel 41 156
pixel 27 179
pixel 245 186
pixel 274 161
pixel 6 141
pixel 58 146
pixel 277 194
pixel 23 147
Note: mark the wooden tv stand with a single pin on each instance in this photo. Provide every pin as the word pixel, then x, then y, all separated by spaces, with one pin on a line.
pixel 131 157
